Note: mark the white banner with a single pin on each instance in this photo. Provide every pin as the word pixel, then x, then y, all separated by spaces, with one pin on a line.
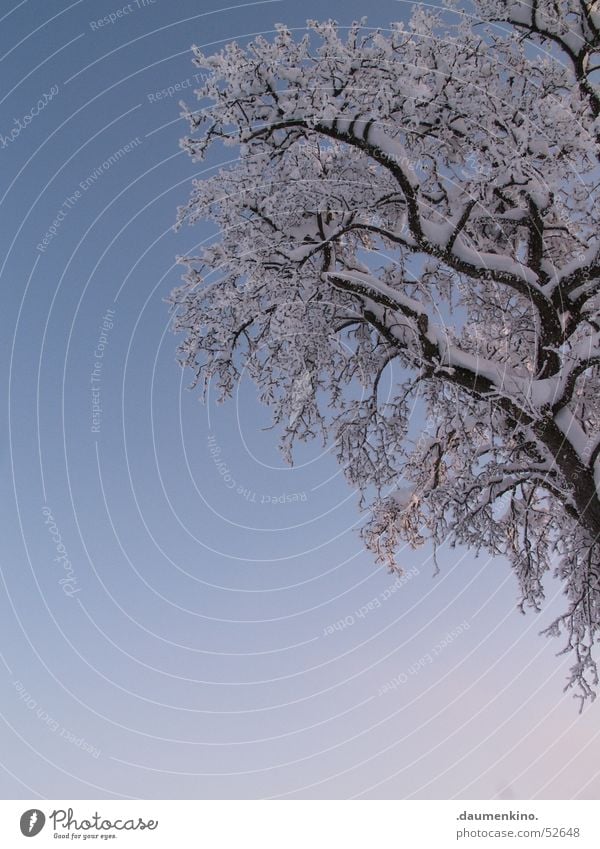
pixel 301 824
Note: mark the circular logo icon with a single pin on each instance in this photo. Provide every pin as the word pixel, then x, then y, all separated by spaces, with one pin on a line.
pixel 32 822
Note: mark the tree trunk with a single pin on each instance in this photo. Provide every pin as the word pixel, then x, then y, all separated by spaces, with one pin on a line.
pixel 579 477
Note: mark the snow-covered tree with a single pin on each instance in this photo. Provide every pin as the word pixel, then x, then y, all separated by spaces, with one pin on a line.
pixel 420 204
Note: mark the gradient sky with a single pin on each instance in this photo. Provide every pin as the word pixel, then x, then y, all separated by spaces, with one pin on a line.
pixel 190 653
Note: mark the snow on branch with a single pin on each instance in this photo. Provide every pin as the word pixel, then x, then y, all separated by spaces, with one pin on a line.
pixel 422 199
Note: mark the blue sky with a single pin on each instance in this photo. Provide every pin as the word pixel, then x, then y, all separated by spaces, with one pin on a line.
pixel 207 641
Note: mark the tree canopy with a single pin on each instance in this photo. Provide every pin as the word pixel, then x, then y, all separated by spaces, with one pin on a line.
pixel 419 202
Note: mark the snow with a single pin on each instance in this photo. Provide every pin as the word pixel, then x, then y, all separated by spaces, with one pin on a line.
pixel 574 433
pixel 494 262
